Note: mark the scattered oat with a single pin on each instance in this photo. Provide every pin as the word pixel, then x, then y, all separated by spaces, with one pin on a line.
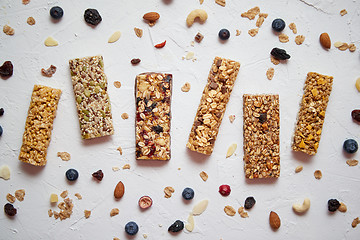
pixel 117 84
pixel 229 210
pixel 270 73
pixel 30 21
pixel 251 13
pixel 355 222
pixel 283 38
pixel 114 212
pixel 238 32
pixel 25 2
pixel 253 32
pixel 51 42
pixel 352 47
pixel 138 32
pixel 352 162
pixel 318 174
pixel 298 169
pixel 232 118
pixel 186 87
pixel 221 2
pixel 48 72
pixel 204 176
pixel 299 39
pixel 115 169
pixel 124 116
pixel 114 37
pixel 343 12
pixel 8 30
pixel 50 213
pixel 78 195
pixel 292 26
pixel 20 194
pixel 342 207
pixel 241 209
pixel 126 166
pixel 201 1
pixel 10 198
pixel 260 21
pixel 264 15
pixel 120 150
pixel 87 213
pixel 231 150
pixel 64 194
pixel 168 191
pixel 274 60
pixel 65 156
pixel 244 214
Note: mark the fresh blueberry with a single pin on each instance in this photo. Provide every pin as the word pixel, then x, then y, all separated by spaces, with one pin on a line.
pixel 278 25
pixel 350 146
pixel 188 193
pixel 1 111
pixel 1 131
pixel 131 228
pixel 72 174
pixel 56 12
pixel 177 226
pixel 224 34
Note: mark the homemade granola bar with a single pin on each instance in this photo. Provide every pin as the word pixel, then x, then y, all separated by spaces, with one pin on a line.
pixel 311 116
pixel 153 115
pixel 38 125
pixel 261 136
pixel 92 100
pixel 212 106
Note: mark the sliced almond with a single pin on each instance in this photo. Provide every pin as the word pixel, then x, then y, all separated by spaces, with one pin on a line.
pixel 200 207
pixel 51 42
pixel 114 37
pixel 190 223
pixel 5 172
pixel 231 150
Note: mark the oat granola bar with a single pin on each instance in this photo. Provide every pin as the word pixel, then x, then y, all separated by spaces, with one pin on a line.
pixel 92 100
pixel 261 136
pixel 38 125
pixel 212 105
pixel 153 115
pixel 311 116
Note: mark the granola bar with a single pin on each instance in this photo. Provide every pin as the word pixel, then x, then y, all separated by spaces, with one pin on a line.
pixel 261 136
pixel 38 125
pixel 92 100
pixel 212 105
pixel 153 115
pixel 311 116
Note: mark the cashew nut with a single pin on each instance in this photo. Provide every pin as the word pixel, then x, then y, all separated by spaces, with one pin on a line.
pixel 302 208
pixel 197 13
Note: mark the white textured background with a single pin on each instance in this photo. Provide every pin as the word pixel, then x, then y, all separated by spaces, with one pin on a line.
pixel 76 39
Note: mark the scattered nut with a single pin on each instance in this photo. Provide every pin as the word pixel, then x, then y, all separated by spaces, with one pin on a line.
pixel 232 118
pixel 51 42
pixel 204 176
pixel 30 21
pixel 298 169
pixel 78 195
pixel 126 166
pixel 20 194
pixel 64 194
pixel 8 30
pixel 299 39
pixel 114 37
pixel 342 207
pixel 343 12
pixel 64 156
pixel 274 220
pixel 117 84
pixel 197 13
pixel 168 191
pixel 302 208
pixel 352 162
pixel 270 73
pixel 325 40
pixel 352 47
pixel 283 38
pixel 186 87
pixel 199 37
pixel 50 213
pixel 10 198
pixel 221 2
pixel 292 26
pixel 87 213
pixel 231 150
pixel 355 222
pixel 318 174
pixel 138 32
pixel 343 47
pixel 229 210
pixel 200 207
pixel 253 32
pixel 114 212
pixel 124 116
pixel 151 17
pixel 119 190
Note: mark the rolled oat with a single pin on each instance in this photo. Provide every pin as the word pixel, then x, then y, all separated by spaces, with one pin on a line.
pixel 204 176
pixel 168 191
pixel 299 39
pixel 253 32
pixel 270 73
pixel 229 210
pixel 65 156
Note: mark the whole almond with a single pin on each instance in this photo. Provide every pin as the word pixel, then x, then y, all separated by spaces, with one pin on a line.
pixel 119 190
pixel 325 40
pixel 274 220
pixel 151 16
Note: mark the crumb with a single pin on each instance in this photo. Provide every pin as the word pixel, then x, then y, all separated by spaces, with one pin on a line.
pixel 145 236
pixel 20 194
pixel 138 32
pixel 114 212
pixel 274 60
pixel 251 13
pixel 253 32
pixel 50 213
pixel 115 169
pixel 126 166
pixel 65 156
pixel 168 191
pixel 221 2
pixel 292 27
pixel 64 194
pixel 30 21
pixel 270 73
pixel 117 84
pixel 229 210
pixel 124 116
pixel 120 150
pixel 318 174
pixel 343 12
pixel 352 47
pixel 78 195
pixel 10 198
pixel 232 118
pixel 283 38
pixel 186 87
pixel 260 21
pixel 298 169
pixel 87 213
pixel 48 72
pixel 238 32
pixel 179 169
pixel 8 30
pixel 25 2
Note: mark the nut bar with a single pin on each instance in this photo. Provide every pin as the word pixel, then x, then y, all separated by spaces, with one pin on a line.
pixel 261 136
pixel 38 125
pixel 212 105
pixel 92 100
pixel 153 116
pixel 311 116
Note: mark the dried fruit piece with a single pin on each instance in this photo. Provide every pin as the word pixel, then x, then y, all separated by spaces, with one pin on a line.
pixel 186 87
pixel 199 37
pixel 117 84
pixel 53 198
pixel 114 37
pixel 350 146
pixel 6 70
pixel 5 172
pixel 225 190
pixel 299 39
pixel 20 194
pixel 283 38
pixel 325 40
pixel 135 61
pixel 10 210
pixel 204 176
pixel 190 223
pixel 30 21
pixel 229 210
pixel 274 220
pixel 92 16
pixel 270 73
pixel 168 191
pixel 145 202
pixel 8 30
pixel 72 174
pixel 343 12
pixel 87 213
pixel 48 72
pixel 177 226
pixel 138 32
pixel 160 45
pixel 98 175
pixel 200 207
pixel 318 174
pixel 10 198
pixel 333 205
pixel 231 150
pixel 342 207
pixel 249 202
pixel 279 54
pixel 51 42
pixel 355 222
pixel 119 190
pixel 352 162
pixel 114 212
pixel 298 169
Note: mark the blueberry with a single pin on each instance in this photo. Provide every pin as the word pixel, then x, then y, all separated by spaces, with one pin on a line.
pixel 350 146
pixel 56 12
pixel 278 25
pixel 188 193
pixel 177 226
pixel 1 131
pixel 224 34
pixel 1 111
pixel 131 228
pixel 72 174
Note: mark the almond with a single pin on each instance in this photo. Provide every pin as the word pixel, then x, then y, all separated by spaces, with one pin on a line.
pixel 119 190
pixel 274 220
pixel 151 16
pixel 325 40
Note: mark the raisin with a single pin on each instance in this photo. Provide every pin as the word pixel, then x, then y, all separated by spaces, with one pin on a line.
pixel 138 99
pixel 98 175
pixel 1 111
pixel 249 202
pixel 9 209
pixel 92 16
pixel 333 205
pixel 279 54
pixel 355 114
pixel 158 129
pixel 135 61
pixel 177 226
pixel 263 117
pixel 6 70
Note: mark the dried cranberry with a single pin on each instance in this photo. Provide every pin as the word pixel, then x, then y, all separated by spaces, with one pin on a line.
pixel 6 70
pixel 224 190
pixel 135 61
pixel 10 210
pixel 92 16
pixel 1 111
pixel 279 54
pixel 355 114
pixel 98 175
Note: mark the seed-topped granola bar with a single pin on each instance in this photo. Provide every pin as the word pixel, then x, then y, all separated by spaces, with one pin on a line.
pixel 311 116
pixel 92 100
pixel 38 126
pixel 261 136
pixel 212 106
pixel 153 116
